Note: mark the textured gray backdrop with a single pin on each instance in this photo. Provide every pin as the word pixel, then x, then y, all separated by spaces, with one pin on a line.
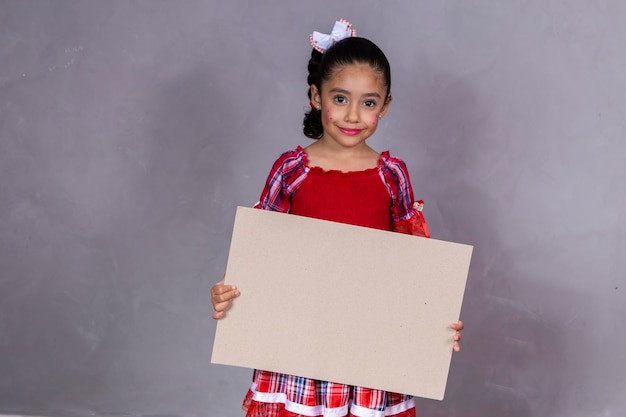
pixel 129 131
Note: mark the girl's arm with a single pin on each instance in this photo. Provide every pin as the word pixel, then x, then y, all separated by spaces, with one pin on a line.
pixel 288 171
pixel 407 215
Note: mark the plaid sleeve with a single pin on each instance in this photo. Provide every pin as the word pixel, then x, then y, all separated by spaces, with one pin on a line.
pixel 283 181
pixel 406 214
pixel 395 175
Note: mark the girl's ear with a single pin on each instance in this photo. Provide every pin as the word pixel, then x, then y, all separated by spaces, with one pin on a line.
pixel 383 111
pixel 315 96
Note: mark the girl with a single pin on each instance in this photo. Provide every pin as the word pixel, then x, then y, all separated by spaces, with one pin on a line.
pixel 338 178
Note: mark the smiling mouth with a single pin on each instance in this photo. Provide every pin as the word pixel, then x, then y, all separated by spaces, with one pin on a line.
pixel 350 132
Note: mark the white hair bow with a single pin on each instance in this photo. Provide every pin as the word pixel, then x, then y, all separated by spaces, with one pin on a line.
pixel 342 30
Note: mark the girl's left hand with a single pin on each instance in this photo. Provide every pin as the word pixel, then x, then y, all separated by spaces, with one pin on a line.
pixel 458 326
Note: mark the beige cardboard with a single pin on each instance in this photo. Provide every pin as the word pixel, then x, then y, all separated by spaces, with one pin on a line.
pixel 343 303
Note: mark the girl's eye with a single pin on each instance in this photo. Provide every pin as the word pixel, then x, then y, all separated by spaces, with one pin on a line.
pixel 340 99
pixel 369 103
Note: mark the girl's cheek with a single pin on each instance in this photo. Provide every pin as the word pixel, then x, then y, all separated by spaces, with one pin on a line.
pixel 374 120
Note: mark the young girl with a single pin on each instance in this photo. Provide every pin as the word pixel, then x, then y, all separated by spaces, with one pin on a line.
pixel 338 178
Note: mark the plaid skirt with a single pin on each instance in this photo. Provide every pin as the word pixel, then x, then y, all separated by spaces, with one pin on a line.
pixel 279 395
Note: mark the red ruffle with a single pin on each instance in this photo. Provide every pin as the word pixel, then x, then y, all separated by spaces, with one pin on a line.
pixel 260 409
pixel 415 226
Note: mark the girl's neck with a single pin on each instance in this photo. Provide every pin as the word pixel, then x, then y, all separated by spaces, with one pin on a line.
pixel 336 158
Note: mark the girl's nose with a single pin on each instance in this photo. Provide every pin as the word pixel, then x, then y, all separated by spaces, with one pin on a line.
pixel 352 113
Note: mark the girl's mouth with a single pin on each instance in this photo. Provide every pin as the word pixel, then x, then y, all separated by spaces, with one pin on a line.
pixel 349 132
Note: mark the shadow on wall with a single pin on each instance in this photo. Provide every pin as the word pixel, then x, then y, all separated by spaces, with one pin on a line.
pixel 507 363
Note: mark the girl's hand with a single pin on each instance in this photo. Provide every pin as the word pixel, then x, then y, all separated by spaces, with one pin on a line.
pixel 221 297
pixel 458 326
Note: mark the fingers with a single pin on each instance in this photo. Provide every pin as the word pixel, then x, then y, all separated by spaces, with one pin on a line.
pixel 457 339
pixel 218 315
pixel 221 298
pixel 221 293
pixel 458 326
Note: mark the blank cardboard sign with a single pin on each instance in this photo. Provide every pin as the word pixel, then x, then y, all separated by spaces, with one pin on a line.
pixel 342 303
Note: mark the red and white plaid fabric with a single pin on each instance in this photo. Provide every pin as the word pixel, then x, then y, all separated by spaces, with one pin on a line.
pixel 280 395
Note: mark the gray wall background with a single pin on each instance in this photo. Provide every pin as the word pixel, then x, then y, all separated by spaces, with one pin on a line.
pixel 129 131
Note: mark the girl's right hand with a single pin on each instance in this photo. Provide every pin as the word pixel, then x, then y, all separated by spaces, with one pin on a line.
pixel 221 297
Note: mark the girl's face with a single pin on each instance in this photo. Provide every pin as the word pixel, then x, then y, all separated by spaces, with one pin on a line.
pixel 352 101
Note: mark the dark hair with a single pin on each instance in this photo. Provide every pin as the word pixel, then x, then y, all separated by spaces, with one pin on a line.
pixel 321 67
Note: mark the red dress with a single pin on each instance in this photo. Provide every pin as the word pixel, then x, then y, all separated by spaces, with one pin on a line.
pixel 380 198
